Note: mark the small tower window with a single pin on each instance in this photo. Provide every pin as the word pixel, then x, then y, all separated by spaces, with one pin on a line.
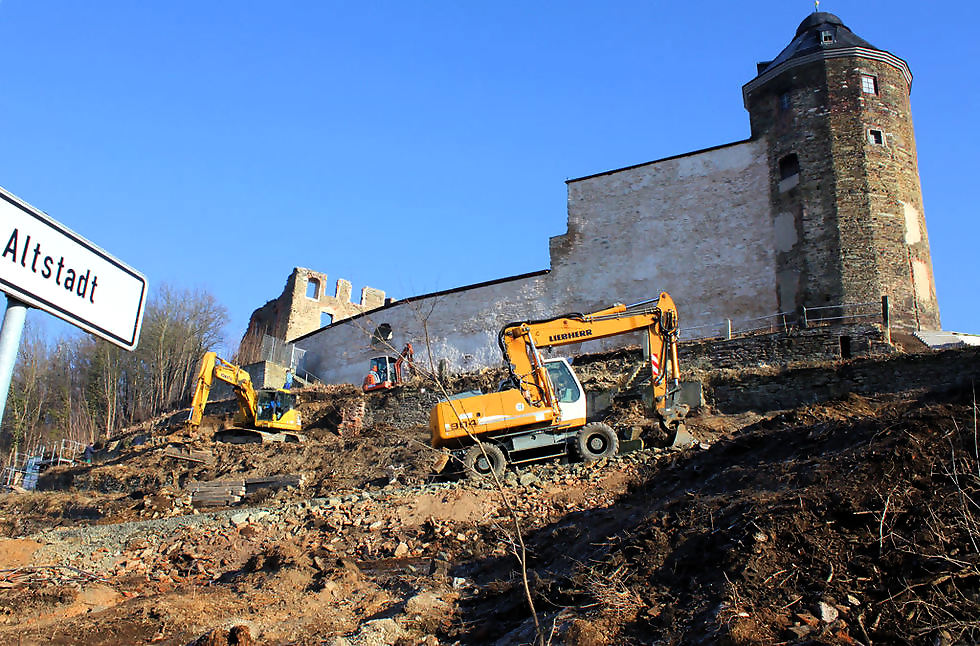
pixel 785 102
pixel 789 166
pixel 869 84
pixel 326 318
pixel 827 36
pixel 876 137
pixel 312 288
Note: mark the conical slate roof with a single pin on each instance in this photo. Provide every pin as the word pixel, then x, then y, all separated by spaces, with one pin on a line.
pixel 821 36
pixel 810 38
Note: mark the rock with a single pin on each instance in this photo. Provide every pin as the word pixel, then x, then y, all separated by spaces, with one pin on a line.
pixel 401 550
pixel 828 613
pixel 379 632
pixel 528 479
pixel 241 518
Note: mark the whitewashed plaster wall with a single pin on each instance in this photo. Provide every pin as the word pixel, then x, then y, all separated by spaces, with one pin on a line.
pixel 461 327
pixel 698 226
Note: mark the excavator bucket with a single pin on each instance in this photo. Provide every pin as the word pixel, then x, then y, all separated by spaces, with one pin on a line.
pixel 682 438
pixel 442 460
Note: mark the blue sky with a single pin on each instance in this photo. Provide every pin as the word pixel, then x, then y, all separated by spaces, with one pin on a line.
pixel 415 147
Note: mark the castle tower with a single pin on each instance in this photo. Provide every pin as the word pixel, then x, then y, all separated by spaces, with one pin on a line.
pixel 844 178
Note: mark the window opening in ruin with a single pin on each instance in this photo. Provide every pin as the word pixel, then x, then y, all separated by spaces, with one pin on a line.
pixel 869 84
pixel 312 288
pixel 785 103
pixel 827 36
pixel 845 347
pixel 789 166
pixel 326 318
pixel 382 337
pixel 876 137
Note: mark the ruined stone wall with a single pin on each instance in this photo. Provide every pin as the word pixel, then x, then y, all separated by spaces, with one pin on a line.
pixel 298 310
pixel 783 348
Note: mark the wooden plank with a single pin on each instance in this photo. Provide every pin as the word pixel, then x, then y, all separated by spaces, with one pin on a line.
pixel 190 455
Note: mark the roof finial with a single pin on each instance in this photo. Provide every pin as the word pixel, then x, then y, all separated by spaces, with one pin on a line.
pixel 816 6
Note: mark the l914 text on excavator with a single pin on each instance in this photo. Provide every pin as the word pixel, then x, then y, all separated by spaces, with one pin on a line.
pixel 541 410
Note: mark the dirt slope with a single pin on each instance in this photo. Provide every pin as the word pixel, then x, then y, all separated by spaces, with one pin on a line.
pixel 849 522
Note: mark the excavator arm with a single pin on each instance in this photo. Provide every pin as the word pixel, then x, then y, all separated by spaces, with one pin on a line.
pixel 213 367
pixel 521 342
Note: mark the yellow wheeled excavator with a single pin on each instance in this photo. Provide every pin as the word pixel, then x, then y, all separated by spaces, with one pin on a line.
pixel 266 414
pixel 540 411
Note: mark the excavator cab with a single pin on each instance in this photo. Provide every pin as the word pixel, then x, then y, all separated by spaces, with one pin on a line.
pixel 383 374
pixel 387 372
pixel 271 404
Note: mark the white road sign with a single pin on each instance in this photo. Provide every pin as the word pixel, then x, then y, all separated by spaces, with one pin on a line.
pixel 47 265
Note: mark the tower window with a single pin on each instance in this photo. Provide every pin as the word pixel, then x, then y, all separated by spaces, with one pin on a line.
pixel 789 166
pixel 785 102
pixel 869 84
pixel 876 137
pixel 826 36
pixel 326 318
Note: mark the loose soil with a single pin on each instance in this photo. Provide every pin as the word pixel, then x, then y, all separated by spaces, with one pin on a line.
pixel 847 522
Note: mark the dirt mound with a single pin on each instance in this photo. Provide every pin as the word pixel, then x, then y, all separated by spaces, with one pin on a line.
pixel 849 522
pixel 858 526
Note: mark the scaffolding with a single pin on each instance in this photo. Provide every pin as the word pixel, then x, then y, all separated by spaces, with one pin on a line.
pixel 25 466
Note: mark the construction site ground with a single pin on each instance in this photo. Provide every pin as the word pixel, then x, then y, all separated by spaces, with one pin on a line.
pixel 853 521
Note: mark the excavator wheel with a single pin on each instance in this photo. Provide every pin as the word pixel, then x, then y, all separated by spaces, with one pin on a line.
pixel 477 465
pixel 596 441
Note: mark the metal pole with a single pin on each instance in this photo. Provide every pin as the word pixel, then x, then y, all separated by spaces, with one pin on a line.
pixel 13 326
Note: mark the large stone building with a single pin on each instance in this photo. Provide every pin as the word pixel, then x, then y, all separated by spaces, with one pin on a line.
pixel 821 206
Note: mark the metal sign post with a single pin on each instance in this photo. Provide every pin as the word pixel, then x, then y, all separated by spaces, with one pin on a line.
pixel 45 264
pixel 13 326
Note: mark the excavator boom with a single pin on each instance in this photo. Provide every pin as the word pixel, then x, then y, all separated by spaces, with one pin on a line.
pixel 274 410
pixel 520 342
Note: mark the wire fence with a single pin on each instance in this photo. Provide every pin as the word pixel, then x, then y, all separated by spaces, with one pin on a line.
pixel 279 352
pixel 804 317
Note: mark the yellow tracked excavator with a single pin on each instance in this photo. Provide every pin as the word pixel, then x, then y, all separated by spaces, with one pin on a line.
pixel 541 411
pixel 264 415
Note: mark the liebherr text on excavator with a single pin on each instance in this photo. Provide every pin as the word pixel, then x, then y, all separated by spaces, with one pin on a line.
pixel 541 410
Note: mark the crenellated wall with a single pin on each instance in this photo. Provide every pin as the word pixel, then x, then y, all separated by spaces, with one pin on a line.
pixel 300 309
